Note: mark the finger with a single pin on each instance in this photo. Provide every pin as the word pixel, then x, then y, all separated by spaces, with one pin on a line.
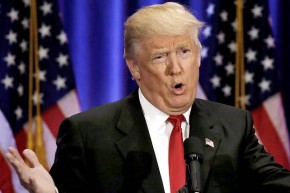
pixel 16 154
pixel 31 157
pixel 16 164
pixel 10 158
pixel 13 157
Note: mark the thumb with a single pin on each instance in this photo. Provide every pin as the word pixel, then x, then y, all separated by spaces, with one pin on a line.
pixel 31 157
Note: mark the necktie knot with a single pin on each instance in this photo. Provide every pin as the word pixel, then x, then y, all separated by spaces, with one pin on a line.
pixel 176 120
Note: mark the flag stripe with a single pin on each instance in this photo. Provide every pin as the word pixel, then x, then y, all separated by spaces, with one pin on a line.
pixel 6 140
pixel 53 117
pixel 270 136
pixel 65 104
pixel 6 184
pixel 275 110
pixel 50 144
pixel 21 140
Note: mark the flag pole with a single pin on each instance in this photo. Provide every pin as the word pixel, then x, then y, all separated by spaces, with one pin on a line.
pixel 39 145
pixel 240 98
pixel 30 90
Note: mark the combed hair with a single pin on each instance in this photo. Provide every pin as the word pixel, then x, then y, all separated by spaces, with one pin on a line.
pixel 168 19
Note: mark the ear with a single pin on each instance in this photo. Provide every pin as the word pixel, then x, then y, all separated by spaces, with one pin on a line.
pixel 134 68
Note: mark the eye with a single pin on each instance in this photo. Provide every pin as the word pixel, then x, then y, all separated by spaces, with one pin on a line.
pixel 159 58
pixel 185 52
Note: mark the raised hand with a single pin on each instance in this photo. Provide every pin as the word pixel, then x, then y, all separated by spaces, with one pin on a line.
pixel 34 178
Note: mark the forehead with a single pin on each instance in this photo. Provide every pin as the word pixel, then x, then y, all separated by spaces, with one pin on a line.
pixel 166 42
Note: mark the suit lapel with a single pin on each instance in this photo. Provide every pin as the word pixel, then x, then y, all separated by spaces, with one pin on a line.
pixel 137 142
pixel 137 139
pixel 202 126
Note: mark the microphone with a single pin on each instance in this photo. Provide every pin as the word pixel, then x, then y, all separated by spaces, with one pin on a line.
pixel 193 154
pixel 137 168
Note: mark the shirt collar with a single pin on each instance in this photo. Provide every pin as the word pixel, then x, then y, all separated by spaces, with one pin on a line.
pixel 154 115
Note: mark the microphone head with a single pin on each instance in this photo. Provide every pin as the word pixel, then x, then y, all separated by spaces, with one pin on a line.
pixel 193 148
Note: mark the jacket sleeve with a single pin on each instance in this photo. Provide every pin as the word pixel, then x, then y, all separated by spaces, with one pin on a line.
pixel 69 170
pixel 262 167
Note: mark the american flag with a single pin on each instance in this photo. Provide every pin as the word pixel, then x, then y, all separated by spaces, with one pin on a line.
pixel 217 72
pixel 58 98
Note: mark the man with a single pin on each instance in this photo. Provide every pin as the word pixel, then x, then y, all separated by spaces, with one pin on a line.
pixel 124 146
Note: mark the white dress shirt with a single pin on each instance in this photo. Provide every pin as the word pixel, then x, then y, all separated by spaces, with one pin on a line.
pixel 160 130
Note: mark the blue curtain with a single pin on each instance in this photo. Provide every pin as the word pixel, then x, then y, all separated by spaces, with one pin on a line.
pixel 95 33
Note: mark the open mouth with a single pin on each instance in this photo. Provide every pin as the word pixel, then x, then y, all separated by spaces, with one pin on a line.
pixel 177 86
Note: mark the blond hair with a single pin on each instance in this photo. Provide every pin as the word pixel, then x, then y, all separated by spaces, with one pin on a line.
pixel 168 19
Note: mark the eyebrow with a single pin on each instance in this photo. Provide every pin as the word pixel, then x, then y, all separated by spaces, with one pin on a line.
pixel 159 49
pixel 162 50
pixel 183 44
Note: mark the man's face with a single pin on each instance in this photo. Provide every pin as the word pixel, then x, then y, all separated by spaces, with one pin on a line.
pixel 166 69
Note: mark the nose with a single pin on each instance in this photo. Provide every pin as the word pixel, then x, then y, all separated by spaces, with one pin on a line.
pixel 173 66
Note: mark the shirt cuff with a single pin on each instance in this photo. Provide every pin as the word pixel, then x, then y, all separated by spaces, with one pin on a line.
pixel 56 190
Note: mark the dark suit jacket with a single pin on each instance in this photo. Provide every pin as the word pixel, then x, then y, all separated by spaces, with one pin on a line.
pixel 108 149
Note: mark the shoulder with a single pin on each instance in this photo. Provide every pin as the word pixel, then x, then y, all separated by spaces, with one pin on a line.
pixel 109 111
pixel 104 116
pixel 219 111
pixel 92 121
pixel 216 107
pixel 100 112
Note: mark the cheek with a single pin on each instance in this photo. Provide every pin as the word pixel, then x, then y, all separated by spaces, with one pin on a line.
pixel 153 73
pixel 153 78
pixel 193 74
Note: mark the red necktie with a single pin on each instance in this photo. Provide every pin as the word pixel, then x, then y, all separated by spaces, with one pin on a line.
pixel 177 170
